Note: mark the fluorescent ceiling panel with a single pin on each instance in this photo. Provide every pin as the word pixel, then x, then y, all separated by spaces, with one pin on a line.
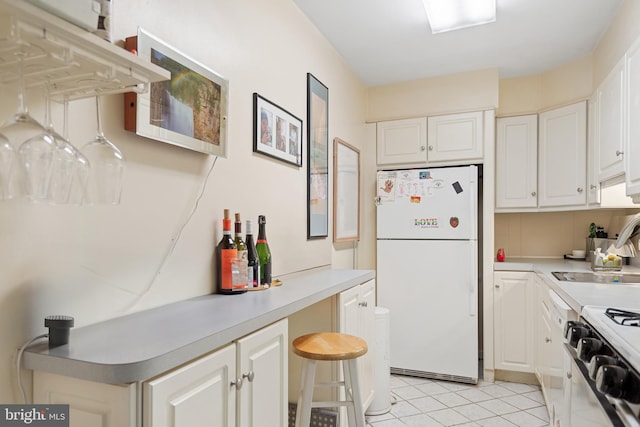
pixel 447 15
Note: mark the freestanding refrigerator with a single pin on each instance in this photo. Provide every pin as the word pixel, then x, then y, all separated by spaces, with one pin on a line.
pixel 427 270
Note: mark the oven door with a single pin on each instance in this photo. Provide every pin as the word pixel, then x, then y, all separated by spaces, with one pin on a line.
pixel 585 406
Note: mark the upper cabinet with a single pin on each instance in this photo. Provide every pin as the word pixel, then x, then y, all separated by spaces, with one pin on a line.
pixel 437 140
pixel 455 137
pixel 563 156
pixel 517 162
pixel 610 97
pixel 632 156
pixel 402 141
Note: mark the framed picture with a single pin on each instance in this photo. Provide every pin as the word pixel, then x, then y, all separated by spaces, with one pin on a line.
pixel 346 191
pixel 276 132
pixel 318 152
pixel 189 111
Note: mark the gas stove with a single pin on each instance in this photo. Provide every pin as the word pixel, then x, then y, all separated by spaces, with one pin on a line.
pixel 605 347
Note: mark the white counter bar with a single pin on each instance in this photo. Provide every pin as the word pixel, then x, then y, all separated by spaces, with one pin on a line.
pixel 142 345
pixel 578 294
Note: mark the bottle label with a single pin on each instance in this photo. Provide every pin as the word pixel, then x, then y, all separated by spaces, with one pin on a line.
pixel 227 256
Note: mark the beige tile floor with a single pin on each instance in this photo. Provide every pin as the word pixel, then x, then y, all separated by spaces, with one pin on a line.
pixel 430 403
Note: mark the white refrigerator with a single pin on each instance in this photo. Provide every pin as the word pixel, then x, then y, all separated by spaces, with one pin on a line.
pixel 427 270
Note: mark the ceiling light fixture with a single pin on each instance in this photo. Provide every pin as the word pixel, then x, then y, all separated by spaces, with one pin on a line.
pixel 448 15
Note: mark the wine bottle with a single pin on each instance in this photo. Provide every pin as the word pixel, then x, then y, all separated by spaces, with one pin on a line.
pixel 264 254
pixel 242 279
pixel 253 261
pixel 226 254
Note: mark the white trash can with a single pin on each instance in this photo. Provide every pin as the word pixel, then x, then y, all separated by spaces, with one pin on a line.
pixel 381 403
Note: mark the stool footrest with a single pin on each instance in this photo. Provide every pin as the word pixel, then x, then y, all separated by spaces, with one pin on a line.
pixel 331 384
pixel 331 404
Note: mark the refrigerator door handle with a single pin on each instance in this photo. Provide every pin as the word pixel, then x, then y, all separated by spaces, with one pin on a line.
pixel 473 285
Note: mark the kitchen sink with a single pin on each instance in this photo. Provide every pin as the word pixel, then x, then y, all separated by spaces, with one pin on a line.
pixel 618 278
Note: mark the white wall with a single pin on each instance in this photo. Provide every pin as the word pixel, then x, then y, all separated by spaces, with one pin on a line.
pixel 96 263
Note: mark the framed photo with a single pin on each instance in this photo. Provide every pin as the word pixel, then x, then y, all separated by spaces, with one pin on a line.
pixel 318 152
pixel 346 191
pixel 276 132
pixel 189 111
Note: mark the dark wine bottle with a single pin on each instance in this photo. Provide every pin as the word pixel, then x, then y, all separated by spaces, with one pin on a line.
pixel 264 254
pixel 226 254
pixel 252 258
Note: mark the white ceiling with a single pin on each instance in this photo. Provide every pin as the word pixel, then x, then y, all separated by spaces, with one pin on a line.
pixel 387 41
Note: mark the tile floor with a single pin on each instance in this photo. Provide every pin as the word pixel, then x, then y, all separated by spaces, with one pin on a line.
pixel 430 403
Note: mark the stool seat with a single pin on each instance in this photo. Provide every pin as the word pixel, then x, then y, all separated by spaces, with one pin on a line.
pixel 329 346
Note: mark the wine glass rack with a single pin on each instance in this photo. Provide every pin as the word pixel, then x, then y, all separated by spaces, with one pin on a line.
pixel 74 62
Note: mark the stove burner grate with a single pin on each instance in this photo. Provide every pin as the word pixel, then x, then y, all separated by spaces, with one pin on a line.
pixel 622 317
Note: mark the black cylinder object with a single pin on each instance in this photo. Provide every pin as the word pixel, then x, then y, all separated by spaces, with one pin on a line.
pixel 59 327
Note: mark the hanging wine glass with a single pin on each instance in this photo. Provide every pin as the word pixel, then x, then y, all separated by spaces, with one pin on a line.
pixel 69 165
pixel 7 166
pixel 78 192
pixel 31 142
pixel 107 167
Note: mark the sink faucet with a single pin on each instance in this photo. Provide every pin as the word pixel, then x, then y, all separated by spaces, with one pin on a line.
pixel 628 231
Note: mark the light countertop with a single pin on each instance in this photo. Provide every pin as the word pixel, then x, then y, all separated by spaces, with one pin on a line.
pixel 142 345
pixel 576 294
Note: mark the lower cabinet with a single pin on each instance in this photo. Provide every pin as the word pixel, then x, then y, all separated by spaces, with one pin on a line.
pixel 241 385
pixel 514 308
pixel 357 317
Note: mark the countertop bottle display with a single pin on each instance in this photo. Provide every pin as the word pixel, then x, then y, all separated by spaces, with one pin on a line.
pixel 253 261
pixel 226 255
pixel 264 254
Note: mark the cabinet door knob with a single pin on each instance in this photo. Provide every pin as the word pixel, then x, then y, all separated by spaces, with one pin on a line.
pixel 249 376
pixel 569 375
pixel 497 286
pixel 533 194
pixel 619 153
pixel 237 383
pixel 579 189
pixel 422 148
pixel 593 186
pixel 547 339
pixel 431 148
pixel 363 304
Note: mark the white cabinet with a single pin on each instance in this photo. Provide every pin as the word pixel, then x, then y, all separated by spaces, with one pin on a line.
pixel 197 394
pixel 562 152
pixel 517 162
pixel 610 131
pixel 402 141
pixel 447 139
pixel 356 317
pixel 593 156
pixel 455 137
pixel 90 404
pixel 243 384
pixel 632 156
pixel 514 304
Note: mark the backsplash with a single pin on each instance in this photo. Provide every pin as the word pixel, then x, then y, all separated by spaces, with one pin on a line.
pixel 551 234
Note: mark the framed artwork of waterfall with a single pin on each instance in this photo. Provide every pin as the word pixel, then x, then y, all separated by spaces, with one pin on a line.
pixel 189 110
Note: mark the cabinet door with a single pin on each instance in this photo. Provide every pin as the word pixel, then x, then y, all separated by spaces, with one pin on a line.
pixel 455 137
pixel 356 317
pixel 513 321
pixel 263 365
pixel 632 158
pixel 611 123
pixel 593 159
pixel 402 141
pixel 517 162
pixel 90 404
pixel 198 394
pixel 562 160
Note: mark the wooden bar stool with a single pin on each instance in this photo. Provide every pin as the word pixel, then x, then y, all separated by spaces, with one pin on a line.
pixel 330 346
